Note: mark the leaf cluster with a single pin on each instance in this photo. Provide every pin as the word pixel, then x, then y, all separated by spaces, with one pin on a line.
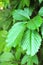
pixel 21 32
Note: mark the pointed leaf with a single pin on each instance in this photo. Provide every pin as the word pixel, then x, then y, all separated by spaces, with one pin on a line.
pixel 15 34
pixel 20 15
pixel 31 42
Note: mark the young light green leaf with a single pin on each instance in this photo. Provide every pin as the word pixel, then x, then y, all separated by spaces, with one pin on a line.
pixel 41 11
pixel 15 34
pixel 31 42
pixel 34 23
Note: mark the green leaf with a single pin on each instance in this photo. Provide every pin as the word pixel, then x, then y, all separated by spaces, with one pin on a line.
pixel 24 3
pixel 41 11
pixel 18 53
pixel 3 35
pixel 34 23
pixel 35 59
pixel 31 42
pixel 6 57
pixel 15 34
pixel 29 10
pixel 24 59
pixel 40 1
pixel 29 62
pixel 20 15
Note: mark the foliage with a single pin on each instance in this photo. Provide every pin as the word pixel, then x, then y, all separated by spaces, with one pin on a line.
pixel 21 32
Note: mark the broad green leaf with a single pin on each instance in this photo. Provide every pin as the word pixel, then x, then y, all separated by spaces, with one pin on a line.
pixel 6 56
pixel 31 42
pixel 15 34
pixel 20 15
pixel 3 35
pixel 42 30
pixel 34 23
pixel 41 11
